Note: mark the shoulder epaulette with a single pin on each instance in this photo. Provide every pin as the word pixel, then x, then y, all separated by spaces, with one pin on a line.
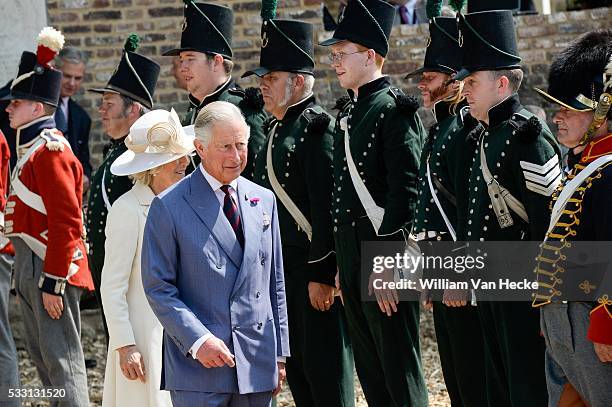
pixel 317 121
pixel 342 102
pixel 404 103
pixel 252 98
pixel 528 130
pixel 236 91
pixel 53 140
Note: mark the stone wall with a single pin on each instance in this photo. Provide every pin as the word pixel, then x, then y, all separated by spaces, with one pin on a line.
pixel 101 26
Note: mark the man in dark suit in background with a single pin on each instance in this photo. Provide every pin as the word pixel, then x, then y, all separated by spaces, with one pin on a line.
pixel 70 118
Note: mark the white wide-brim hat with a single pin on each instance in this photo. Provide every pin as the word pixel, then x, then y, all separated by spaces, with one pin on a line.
pixel 155 139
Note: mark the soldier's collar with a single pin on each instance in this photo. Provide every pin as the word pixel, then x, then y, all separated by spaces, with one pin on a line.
pixel 297 108
pixel 504 110
pixel 26 133
pixel 115 141
pixel 596 148
pixel 369 88
pixel 441 110
pixel 212 96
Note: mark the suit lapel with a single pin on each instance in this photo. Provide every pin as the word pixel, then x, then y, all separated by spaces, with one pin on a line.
pixel 252 223
pixel 206 206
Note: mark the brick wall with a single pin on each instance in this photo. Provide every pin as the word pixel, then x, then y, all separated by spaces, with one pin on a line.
pixel 101 26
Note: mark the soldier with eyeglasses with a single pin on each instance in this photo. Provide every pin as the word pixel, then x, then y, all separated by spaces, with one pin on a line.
pixel 378 171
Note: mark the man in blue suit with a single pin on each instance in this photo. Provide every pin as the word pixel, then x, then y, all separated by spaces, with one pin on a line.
pixel 213 274
pixel 70 118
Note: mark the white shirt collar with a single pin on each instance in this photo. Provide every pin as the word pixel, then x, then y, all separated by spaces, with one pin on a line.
pixel 214 183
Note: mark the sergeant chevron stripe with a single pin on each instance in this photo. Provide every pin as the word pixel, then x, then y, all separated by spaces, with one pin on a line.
pixel 542 179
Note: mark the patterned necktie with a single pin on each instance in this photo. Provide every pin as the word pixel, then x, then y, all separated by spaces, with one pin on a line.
pixel 231 213
pixel 60 118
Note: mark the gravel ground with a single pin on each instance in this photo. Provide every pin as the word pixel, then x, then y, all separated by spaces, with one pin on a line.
pixel 95 348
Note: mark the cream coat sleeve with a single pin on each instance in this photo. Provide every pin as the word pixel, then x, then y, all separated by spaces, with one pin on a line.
pixel 122 228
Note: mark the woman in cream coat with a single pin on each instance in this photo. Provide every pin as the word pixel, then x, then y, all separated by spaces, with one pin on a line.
pixel 157 155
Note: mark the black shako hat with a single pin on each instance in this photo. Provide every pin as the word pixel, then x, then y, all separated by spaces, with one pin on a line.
pixel 135 77
pixel 44 86
pixel 36 79
pixel 207 28
pixel 443 53
pixel 517 6
pixel 365 22
pixel 286 45
pixel 576 78
pixel 488 42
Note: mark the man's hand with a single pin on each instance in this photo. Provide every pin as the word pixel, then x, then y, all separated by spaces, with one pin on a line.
pixel 426 302
pixel 387 298
pixel 338 289
pixel 131 363
pixel 54 305
pixel 603 351
pixel 282 374
pixel 455 298
pixel 214 353
pixel 321 296
pixel 85 184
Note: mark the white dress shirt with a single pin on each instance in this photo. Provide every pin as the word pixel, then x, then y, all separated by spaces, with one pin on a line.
pixel 216 187
pixel 64 106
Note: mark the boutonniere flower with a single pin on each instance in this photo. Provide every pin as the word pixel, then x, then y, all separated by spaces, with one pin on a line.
pixel 253 200
pixel 343 123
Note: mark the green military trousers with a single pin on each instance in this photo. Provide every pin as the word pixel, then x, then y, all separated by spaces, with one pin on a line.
pixel 514 354
pixel 320 369
pixel 461 350
pixel 386 349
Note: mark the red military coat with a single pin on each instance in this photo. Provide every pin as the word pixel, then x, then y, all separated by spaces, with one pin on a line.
pixel 5 155
pixel 54 174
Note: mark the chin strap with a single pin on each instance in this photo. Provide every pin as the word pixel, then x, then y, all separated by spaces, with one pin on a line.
pixel 601 112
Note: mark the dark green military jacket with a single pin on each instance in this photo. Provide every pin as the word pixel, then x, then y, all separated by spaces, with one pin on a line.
pixel 449 158
pixel 523 157
pixel 301 158
pixel 250 103
pixel 106 188
pixel 386 137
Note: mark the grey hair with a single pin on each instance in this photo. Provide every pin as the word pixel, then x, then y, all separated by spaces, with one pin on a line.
pixel 128 102
pixel 215 112
pixel 71 55
pixel 307 87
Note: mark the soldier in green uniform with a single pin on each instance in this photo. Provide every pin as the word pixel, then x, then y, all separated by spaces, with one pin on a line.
pixel 206 63
pixel 442 186
pixel 295 163
pixel 515 168
pixel 126 96
pixel 578 331
pixel 378 172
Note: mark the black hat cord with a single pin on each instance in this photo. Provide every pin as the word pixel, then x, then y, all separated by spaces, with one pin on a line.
pixel 373 19
pixel 288 39
pixel 443 31
pixel 127 59
pixel 483 40
pixel 210 22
